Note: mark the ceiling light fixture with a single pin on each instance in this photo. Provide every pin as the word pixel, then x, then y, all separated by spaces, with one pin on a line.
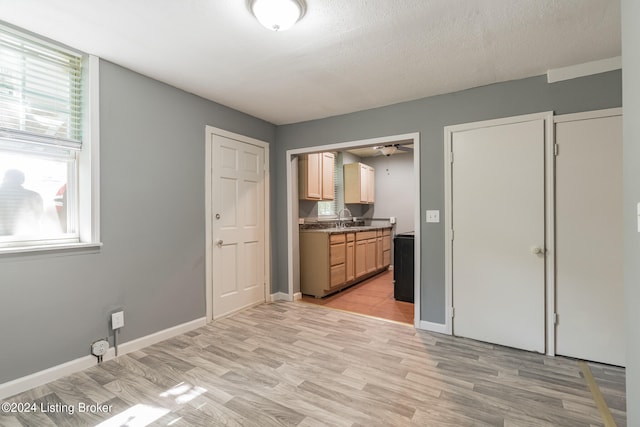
pixel 278 15
pixel 388 150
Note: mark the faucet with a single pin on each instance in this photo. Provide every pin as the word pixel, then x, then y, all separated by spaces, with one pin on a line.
pixel 340 212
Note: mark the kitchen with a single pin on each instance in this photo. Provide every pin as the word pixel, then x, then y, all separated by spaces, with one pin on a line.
pixel 353 204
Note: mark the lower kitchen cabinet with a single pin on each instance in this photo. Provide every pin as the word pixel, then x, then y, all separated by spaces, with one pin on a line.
pixel 350 268
pixel 360 258
pixel 330 261
pixel 337 258
pixel 386 247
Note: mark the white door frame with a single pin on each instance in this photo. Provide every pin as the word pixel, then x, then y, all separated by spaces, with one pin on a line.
pixel 292 223
pixel 209 132
pixel 549 173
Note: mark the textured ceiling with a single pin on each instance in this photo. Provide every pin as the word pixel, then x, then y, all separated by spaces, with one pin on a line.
pixel 343 56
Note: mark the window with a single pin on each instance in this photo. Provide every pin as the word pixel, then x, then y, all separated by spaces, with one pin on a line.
pixel 48 144
pixel 328 208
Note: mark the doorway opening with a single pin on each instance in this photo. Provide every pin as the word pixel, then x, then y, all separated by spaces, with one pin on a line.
pixel 395 163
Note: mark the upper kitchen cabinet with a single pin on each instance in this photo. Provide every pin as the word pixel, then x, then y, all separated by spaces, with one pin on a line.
pixel 328 183
pixel 315 176
pixel 359 180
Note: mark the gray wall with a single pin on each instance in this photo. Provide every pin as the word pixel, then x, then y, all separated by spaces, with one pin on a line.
pixel 153 229
pixel 395 189
pixel 429 116
pixel 631 149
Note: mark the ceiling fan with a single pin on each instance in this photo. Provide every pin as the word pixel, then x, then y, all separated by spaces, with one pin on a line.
pixel 388 150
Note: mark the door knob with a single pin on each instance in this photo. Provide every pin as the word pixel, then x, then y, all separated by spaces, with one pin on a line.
pixel 219 242
pixel 537 250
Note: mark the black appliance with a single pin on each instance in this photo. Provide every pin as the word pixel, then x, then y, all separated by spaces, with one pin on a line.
pixel 403 282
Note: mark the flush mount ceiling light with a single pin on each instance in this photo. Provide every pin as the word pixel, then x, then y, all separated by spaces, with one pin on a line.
pixel 278 15
pixel 388 150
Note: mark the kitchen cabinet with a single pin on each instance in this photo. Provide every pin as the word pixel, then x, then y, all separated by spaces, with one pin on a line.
pixel 371 255
pixel 359 183
pixel 386 247
pixel 379 251
pixel 330 261
pixel 316 176
pixel 365 253
pixel 328 167
pixel 337 257
pixel 309 176
pixel 350 271
pixel 322 263
pixel 360 258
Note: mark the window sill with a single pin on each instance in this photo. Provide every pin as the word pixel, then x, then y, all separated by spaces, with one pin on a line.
pixel 50 249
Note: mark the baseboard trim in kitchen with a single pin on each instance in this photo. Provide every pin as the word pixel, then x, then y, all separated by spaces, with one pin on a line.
pixel 433 327
pixel 36 379
pixel 283 296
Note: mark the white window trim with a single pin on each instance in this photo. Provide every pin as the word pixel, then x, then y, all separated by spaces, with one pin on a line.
pixel 88 171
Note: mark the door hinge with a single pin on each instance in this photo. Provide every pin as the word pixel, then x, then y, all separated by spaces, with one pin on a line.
pixel 555 318
pixel 452 234
pixel 452 312
pixel 451 157
pixel 556 149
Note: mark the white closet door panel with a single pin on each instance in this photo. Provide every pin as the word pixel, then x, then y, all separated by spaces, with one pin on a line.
pixel 498 218
pixel 589 240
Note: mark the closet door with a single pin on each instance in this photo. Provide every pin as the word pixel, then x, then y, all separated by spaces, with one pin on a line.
pixel 498 222
pixel 589 286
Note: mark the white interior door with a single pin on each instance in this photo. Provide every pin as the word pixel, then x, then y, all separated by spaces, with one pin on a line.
pixel 589 283
pixel 238 200
pixel 498 221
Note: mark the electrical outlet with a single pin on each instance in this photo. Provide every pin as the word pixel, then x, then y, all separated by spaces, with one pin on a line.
pixel 433 216
pixel 117 320
pixel 99 348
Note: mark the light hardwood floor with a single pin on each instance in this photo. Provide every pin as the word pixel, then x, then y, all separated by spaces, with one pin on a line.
pixel 297 364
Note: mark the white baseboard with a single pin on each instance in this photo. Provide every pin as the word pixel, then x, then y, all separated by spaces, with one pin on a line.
pixel 156 337
pixel 279 296
pixel 283 296
pixel 36 379
pixel 440 328
pixel 39 378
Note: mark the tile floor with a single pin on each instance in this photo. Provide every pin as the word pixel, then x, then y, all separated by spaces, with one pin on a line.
pixel 373 297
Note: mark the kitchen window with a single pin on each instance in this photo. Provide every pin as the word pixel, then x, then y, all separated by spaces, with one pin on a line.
pixel 48 145
pixel 329 208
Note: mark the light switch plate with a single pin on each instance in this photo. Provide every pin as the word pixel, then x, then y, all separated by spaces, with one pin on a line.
pixel 117 320
pixel 433 216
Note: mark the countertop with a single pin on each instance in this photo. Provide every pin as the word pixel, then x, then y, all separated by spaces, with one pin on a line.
pixel 337 230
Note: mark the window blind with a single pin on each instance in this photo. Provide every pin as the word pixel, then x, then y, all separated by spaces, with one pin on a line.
pixel 329 207
pixel 40 92
pixel 338 194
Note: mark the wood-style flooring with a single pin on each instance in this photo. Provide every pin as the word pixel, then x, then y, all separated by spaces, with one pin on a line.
pixel 298 364
pixel 373 297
